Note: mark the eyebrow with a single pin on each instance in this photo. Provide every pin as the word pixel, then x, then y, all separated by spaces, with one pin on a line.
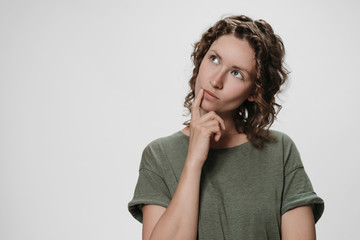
pixel 234 66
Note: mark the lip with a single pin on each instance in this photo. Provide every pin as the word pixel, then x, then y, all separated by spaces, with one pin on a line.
pixel 210 95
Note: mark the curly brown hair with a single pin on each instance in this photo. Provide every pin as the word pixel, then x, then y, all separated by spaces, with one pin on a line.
pixel 253 118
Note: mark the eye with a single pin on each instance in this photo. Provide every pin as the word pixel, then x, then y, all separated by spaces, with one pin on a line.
pixel 214 59
pixel 237 74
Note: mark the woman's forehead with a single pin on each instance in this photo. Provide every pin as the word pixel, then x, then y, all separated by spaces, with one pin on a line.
pixel 234 51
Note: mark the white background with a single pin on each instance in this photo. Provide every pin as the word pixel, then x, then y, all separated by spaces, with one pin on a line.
pixel 85 85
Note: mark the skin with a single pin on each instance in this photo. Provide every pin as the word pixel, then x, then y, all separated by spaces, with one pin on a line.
pixel 226 71
pixel 223 84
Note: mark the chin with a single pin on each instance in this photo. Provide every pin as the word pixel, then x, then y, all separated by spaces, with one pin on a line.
pixel 208 108
pixel 216 110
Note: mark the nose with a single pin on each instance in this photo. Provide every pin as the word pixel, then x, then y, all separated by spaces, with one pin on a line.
pixel 217 81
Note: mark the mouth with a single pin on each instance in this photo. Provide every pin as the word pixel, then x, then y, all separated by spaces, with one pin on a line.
pixel 210 95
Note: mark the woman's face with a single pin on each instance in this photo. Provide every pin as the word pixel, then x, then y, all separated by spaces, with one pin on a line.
pixel 225 75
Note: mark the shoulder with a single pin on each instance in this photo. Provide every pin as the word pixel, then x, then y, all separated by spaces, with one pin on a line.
pixel 280 136
pixel 281 143
pixel 167 142
pixel 164 149
pixel 286 145
pixel 282 140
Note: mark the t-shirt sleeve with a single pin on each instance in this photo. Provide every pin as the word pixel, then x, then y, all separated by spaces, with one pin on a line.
pixel 151 187
pixel 298 190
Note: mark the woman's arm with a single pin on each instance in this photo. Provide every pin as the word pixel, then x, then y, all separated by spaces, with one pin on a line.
pixel 151 215
pixel 298 224
pixel 180 219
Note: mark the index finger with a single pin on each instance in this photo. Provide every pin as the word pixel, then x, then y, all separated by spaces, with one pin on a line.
pixel 195 111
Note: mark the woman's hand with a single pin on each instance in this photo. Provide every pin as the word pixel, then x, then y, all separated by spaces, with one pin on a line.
pixel 180 219
pixel 202 130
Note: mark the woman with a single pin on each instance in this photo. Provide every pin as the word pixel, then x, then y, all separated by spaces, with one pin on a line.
pixel 226 175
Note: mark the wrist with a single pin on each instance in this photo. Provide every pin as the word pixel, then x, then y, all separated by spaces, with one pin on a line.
pixel 193 164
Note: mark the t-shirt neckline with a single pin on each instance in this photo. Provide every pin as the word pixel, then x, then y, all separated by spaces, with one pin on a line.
pixel 218 149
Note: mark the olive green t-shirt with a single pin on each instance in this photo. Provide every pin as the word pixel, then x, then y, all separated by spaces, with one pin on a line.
pixel 243 190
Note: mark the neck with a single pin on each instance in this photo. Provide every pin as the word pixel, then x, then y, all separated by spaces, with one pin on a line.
pixel 229 138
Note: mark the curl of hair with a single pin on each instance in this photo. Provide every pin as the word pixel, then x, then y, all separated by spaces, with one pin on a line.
pixel 253 118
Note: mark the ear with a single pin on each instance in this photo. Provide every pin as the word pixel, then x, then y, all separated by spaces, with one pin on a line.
pixel 251 98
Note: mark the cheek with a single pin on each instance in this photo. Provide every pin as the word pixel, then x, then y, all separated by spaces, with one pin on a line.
pixel 239 95
pixel 200 80
pixel 203 73
pixel 197 85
